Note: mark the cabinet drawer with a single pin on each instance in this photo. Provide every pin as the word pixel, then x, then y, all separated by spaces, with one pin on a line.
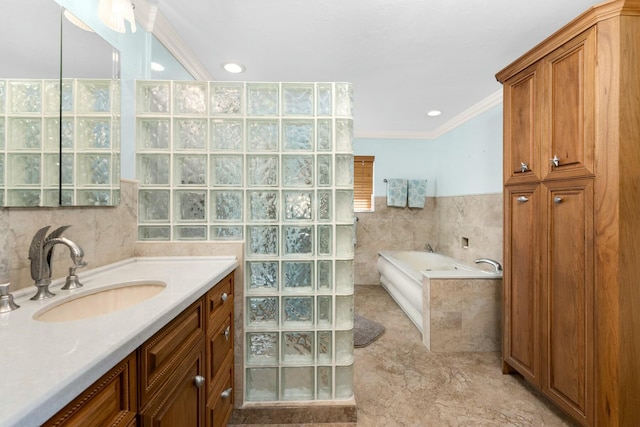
pixel 220 296
pixel 220 342
pixel 163 352
pixel 220 403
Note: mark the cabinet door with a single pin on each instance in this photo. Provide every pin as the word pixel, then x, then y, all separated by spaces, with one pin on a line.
pixel 569 109
pixel 521 345
pixel 568 298
pixel 521 126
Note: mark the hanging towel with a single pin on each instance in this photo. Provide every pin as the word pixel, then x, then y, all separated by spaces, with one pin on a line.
pixel 397 192
pixel 417 192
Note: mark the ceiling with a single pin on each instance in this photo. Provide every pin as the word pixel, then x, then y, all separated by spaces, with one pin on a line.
pixel 403 57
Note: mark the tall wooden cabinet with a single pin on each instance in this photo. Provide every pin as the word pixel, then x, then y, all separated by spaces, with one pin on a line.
pixel 572 216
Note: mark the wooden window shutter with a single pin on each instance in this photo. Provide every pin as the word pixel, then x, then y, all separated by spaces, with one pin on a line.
pixel 363 183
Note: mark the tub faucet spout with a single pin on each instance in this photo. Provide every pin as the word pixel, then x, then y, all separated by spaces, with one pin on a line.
pixel 494 263
pixel 427 247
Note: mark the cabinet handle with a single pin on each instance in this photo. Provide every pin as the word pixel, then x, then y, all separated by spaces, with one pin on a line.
pixel 555 161
pixel 224 297
pixel 557 200
pixel 522 199
pixel 198 380
pixel 524 167
pixel 227 393
pixel 226 332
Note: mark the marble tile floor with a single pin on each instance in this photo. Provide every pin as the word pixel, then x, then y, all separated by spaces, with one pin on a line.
pixel 399 383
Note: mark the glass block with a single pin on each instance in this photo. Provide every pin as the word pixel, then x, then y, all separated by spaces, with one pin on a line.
pixel 51 169
pixel 226 98
pixel 324 170
pixel 297 276
pixel 3 94
pixel 297 383
pixel 344 206
pixel 262 312
pixel 325 347
pixel 153 97
pixel 325 99
pixel 298 240
pixel 262 99
pixel 190 134
pixel 345 241
pixel 52 133
pixel 153 169
pixel 324 135
pixel 344 276
pixel 95 198
pixel 325 242
pixel 262 171
pixel 226 205
pixel 67 169
pixel 227 135
pixel 298 311
pixel 26 96
pixel 67 198
pixel 183 232
pixel 344 135
pixel 325 205
pixel 2 131
pixel 297 135
pixel 324 382
pixel 24 169
pixel 190 170
pixel 226 170
pixel 153 205
pixel 24 134
pixel 226 232
pixel 297 347
pixel 50 198
pixel 67 98
pixel 297 171
pixel 190 98
pixel 344 382
pixel 263 205
pixel 2 173
pixel 344 347
pixel 298 205
pixel 344 170
pixel 325 275
pixel 23 198
pixel 344 312
pixel 190 205
pixel 262 348
pixel 262 135
pixel 262 384
pixel 146 232
pixel 94 96
pixel 344 99
pixel 94 169
pixel 94 133
pixel 297 99
pixel 325 313
pixel 51 99
pixel 153 134
pixel 262 275
pixel 263 240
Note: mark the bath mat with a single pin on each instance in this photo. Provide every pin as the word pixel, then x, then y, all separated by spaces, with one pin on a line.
pixel 365 331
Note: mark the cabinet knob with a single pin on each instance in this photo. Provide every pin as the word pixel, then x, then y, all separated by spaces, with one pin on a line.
pixel 227 332
pixel 227 393
pixel 522 199
pixel 555 161
pixel 524 167
pixel 557 200
pixel 224 297
pixel 198 380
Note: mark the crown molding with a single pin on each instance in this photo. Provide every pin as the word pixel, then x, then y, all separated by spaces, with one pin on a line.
pixel 468 114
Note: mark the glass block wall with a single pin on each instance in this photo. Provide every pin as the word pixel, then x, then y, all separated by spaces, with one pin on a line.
pixel 269 164
pixel 30 142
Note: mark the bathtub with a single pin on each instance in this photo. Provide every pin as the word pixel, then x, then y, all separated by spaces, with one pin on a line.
pixel 454 305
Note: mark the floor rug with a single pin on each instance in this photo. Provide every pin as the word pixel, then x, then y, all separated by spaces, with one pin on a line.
pixel 365 331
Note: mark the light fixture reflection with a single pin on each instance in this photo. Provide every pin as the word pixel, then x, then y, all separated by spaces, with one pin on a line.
pixel 75 21
pixel 234 68
pixel 155 66
pixel 434 113
pixel 113 13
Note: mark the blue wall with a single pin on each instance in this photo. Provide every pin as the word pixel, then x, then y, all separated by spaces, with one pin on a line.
pixel 466 160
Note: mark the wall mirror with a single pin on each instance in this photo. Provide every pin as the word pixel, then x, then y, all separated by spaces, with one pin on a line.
pixel 59 109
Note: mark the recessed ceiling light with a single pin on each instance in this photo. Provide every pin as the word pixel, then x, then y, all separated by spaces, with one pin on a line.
pixel 234 68
pixel 434 113
pixel 156 67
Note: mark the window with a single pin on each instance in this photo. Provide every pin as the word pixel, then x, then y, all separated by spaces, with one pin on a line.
pixel 363 183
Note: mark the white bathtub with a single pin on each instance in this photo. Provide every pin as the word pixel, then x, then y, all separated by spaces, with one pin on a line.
pixel 411 277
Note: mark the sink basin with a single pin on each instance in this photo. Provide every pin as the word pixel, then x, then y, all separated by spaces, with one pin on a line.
pixel 103 301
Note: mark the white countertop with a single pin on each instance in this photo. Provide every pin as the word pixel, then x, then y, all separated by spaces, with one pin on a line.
pixel 43 366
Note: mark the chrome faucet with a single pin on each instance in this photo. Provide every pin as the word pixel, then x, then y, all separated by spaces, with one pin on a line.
pixel 427 247
pixel 40 253
pixel 495 264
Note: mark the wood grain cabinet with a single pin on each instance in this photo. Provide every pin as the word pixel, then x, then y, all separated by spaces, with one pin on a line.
pixel 572 216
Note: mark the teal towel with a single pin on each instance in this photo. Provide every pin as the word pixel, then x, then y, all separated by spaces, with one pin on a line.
pixel 397 192
pixel 417 192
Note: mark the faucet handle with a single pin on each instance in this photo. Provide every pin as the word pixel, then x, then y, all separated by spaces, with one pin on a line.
pixel 73 282
pixel 6 299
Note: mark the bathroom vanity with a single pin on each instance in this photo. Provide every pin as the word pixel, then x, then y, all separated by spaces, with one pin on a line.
pixel 168 357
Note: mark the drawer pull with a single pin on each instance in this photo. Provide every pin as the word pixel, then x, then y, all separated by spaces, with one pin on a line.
pixel 198 380
pixel 522 199
pixel 224 297
pixel 226 332
pixel 557 200
pixel 555 161
pixel 227 393
pixel 524 167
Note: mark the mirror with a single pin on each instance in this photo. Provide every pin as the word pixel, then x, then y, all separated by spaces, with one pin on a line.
pixel 57 146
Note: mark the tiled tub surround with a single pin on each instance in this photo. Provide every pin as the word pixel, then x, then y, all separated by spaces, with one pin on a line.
pixel 455 306
pixel 47 364
pixel 269 165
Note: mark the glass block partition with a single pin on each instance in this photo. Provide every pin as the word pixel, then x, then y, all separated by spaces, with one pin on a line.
pixel 30 142
pixel 269 164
